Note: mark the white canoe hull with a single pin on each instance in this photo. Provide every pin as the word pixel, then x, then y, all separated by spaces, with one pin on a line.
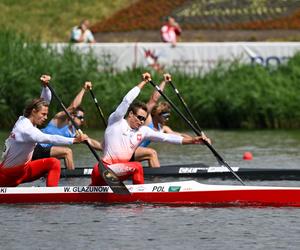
pixel 170 193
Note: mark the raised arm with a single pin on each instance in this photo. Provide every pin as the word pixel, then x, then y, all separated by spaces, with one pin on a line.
pixel 121 110
pixel 178 29
pixel 77 34
pixel 78 98
pixel 75 103
pixel 46 93
pixel 156 95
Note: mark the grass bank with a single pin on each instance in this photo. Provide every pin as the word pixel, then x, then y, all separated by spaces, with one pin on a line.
pixel 51 21
pixel 231 96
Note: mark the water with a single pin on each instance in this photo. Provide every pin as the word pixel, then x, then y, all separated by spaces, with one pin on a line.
pixel 95 226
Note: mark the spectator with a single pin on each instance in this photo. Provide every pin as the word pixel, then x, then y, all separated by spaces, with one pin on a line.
pixel 170 31
pixel 82 34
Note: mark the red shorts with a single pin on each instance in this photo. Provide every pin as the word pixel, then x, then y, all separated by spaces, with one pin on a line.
pixel 124 171
pixel 33 170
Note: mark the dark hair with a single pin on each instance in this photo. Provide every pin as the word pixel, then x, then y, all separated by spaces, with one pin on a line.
pixel 36 104
pixel 75 111
pixel 135 106
pixel 79 108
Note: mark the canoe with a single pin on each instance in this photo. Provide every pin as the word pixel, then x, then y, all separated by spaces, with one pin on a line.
pixel 169 193
pixel 201 170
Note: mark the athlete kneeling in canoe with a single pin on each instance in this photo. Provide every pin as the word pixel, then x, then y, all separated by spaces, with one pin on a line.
pixel 16 166
pixel 159 114
pixel 61 125
pixel 123 135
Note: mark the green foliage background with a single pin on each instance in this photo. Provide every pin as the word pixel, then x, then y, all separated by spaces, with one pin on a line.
pixel 230 96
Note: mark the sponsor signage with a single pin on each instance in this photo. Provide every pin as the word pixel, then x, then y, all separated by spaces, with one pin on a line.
pixel 87 171
pixel 174 188
pixel 221 169
pixel 185 170
pixel 189 58
pixel 191 170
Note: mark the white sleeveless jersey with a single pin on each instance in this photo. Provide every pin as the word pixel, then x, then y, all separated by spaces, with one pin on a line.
pixel 20 144
pixel 120 140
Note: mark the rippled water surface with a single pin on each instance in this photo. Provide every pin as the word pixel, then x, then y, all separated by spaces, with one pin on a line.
pixel 94 226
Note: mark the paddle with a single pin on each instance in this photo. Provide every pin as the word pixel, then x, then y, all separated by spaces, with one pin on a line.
pixel 107 174
pixel 189 112
pixel 98 108
pixel 198 132
pixel 185 105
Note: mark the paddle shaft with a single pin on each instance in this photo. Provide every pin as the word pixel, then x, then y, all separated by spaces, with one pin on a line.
pixel 185 106
pixel 198 132
pixel 116 185
pixel 98 108
pixel 191 115
pixel 72 121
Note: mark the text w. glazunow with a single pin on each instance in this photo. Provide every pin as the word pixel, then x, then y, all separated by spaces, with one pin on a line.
pixel 87 189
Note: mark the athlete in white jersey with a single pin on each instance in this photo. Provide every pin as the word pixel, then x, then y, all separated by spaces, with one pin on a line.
pixel 123 136
pixel 16 166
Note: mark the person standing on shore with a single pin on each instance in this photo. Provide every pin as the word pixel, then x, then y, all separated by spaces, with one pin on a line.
pixel 82 34
pixel 170 31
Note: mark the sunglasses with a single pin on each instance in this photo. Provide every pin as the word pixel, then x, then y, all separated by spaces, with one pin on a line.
pixel 80 117
pixel 165 115
pixel 140 117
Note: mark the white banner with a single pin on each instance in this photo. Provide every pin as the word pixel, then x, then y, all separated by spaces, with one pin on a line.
pixel 185 57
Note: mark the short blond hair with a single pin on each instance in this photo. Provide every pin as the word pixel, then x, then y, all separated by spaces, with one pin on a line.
pixel 161 107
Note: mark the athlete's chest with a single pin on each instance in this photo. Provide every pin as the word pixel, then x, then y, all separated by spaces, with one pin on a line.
pixel 134 137
pixel 123 134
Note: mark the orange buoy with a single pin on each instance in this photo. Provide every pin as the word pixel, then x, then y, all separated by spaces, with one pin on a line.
pixel 247 156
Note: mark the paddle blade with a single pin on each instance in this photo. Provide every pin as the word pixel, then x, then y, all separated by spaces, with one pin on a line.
pixel 112 180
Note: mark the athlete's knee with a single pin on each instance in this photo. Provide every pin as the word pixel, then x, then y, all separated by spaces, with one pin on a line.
pixel 138 175
pixel 96 179
pixel 68 152
pixel 152 153
pixel 54 162
pixel 136 166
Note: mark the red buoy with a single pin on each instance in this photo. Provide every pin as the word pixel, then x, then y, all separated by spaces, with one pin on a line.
pixel 248 156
